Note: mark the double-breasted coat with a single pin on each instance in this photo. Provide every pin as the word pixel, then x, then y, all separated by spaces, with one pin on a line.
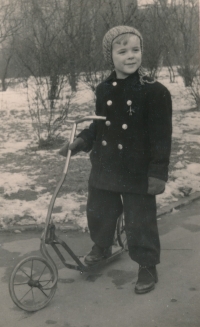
pixel 135 140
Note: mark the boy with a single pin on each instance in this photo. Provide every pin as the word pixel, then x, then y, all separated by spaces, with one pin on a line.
pixel 130 155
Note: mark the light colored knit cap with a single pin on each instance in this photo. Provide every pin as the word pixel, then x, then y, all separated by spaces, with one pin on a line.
pixel 112 34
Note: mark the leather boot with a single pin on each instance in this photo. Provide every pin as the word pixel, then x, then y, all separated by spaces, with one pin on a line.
pixel 147 277
pixel 97 254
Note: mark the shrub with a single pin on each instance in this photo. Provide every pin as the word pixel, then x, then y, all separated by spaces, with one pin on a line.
pixel 48 112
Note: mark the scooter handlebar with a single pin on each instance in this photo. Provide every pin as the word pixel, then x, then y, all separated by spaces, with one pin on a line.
pixel 81 120
pixel 75 123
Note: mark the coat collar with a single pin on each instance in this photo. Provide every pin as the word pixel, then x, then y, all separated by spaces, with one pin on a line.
pixel 134 78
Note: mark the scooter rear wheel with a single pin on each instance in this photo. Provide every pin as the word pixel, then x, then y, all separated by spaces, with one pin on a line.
pixel 121 233
pixel 31 283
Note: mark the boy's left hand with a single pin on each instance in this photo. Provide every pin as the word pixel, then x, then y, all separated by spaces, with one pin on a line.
pixel 155 186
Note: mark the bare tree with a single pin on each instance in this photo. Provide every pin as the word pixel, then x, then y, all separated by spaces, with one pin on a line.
pixel 9 26
pixel 180 20
pixel 154 47
pixel 6 56
pixel 48 116
pixel 41 51
pixel 121 12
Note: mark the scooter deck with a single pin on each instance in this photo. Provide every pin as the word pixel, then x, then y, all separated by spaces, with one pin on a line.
pixel 83 267
pixel 116 252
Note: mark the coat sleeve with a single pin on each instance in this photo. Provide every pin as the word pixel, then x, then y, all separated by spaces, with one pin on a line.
pixel 160 132
pixel 89 134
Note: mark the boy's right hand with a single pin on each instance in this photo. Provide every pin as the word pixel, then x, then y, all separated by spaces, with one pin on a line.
pixel 75 147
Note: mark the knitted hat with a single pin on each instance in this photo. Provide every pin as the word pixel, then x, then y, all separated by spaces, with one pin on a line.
pixel 112 34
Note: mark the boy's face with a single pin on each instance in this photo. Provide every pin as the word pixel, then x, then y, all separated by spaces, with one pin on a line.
pixel 127 56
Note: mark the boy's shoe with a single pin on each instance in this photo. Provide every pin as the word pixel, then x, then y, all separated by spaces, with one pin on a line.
pixel 97 254
pixel 147 277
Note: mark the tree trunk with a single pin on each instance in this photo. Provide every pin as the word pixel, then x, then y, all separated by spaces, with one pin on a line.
pixel 4 84
pixel 3 78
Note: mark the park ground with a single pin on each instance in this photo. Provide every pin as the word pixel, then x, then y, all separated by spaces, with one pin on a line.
pixel 106 297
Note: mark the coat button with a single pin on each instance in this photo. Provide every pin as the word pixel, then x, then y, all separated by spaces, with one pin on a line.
pixel 104 143
pixel 114 83
pixel 120 146
pixel 108 123
pixel 129 102
pixel 109 103
pixel 124 126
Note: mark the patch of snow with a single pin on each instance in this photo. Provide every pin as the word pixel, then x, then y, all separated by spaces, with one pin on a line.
pixel 187 177
pixel 179 165
pixel 180 152
pixel 36 211
pixel 12 182
pixel 12 147
pixel 83 95
pixel 194 168
pixel 70 204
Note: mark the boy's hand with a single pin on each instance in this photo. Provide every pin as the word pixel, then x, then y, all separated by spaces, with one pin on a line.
pixel 155 186
pixel 77 144
pixel 75 147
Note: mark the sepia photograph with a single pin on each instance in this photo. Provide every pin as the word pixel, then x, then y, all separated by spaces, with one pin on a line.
pixel 99 163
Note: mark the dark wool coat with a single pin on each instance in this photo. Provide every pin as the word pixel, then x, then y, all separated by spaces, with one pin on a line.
pixel 135 140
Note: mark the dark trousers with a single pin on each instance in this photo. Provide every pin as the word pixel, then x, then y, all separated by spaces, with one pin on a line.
pixel 103 209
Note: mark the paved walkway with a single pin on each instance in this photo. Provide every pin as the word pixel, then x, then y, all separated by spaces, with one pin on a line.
pixel 107 298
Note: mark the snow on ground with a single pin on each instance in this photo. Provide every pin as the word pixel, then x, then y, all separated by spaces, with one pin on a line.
pixel 181 97
pixel 34 212
pixel 17 134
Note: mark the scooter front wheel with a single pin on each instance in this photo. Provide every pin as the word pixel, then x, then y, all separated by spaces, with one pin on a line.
pixel 32 284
